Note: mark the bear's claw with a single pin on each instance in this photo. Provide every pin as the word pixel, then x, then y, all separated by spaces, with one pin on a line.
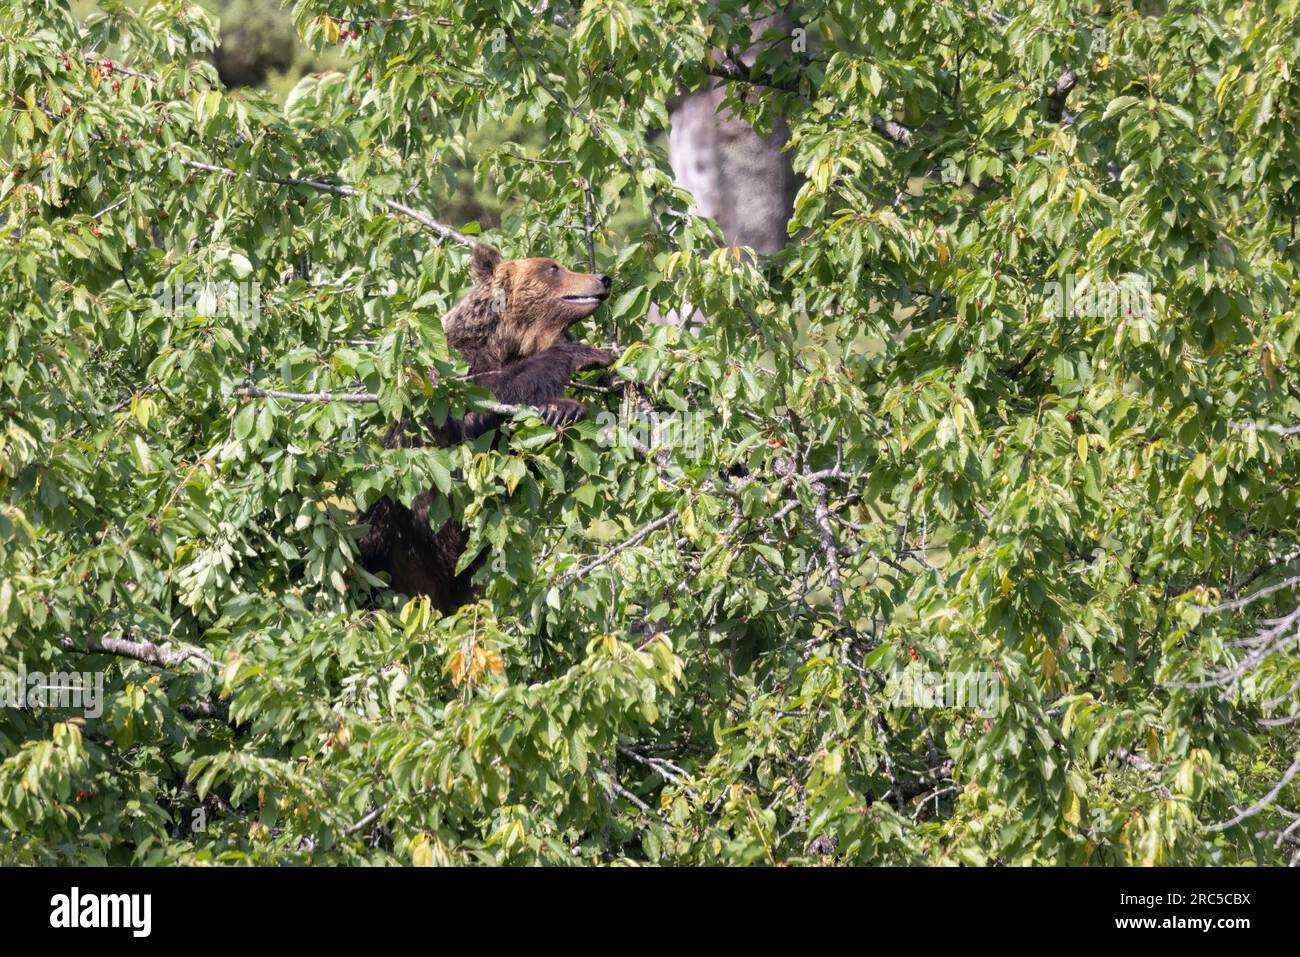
pixel 561 412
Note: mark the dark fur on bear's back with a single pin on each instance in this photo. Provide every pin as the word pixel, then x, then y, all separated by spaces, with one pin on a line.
pixel 512 330
pixel 418 559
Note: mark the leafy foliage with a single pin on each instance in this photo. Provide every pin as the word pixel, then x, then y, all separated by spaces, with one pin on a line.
pixel 893 453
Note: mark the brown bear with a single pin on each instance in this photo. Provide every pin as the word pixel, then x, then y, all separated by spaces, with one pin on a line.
pixel 512 328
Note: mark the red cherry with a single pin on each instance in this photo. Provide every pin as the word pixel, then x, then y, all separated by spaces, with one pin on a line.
pixel 18 174
pixel 116 85
pixel 917 488
pixel 780 443
pixel 366 26
pixel 67 110
pixel 367 76
pixel 771 442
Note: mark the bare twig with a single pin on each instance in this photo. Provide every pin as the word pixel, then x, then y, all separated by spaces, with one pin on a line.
pixel 250 392
pixel 636 539
pixel 446 232
pixel 1263 803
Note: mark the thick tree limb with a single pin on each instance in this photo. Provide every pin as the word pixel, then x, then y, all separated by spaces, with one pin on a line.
pixel 892 131
pixel 145 651
pixel 1057 95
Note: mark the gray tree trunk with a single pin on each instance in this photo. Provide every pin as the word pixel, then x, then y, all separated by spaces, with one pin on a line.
pixel 737 178
pixel 743 181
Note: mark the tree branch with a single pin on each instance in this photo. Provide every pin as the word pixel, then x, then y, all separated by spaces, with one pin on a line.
pixel 1263 802
pixel 892 131
pixel 1057 94
pixel 251 392
pixel 822 520
pixel 446 232
pixel 205 709
pixel 145 651
pixel 636 539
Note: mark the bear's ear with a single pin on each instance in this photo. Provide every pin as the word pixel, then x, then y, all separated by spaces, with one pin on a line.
pixel 483 261
pixel 502 280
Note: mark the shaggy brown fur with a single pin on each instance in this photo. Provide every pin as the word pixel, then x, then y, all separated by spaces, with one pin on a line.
pixel 512 329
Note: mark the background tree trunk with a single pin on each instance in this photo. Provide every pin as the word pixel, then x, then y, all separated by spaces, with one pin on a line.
pixel 743 181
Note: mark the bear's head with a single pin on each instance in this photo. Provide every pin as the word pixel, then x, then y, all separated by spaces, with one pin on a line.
pixel 520 307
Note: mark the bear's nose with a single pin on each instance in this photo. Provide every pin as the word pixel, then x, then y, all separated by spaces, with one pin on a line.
pixel 606 282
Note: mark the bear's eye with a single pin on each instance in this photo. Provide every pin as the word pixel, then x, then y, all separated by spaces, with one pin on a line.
pixel 555 268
